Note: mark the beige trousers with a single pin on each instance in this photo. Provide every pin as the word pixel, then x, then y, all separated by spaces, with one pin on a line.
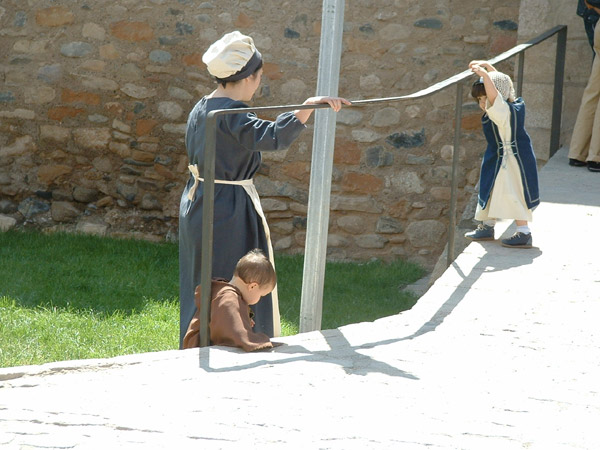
pixel 585 143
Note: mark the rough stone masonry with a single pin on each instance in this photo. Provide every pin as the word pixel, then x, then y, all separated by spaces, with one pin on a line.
pixel 94 97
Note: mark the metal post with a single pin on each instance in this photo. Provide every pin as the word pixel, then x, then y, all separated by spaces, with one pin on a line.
pixel 559 74
pixel 315 252
pixel 455 155
pixel 208 208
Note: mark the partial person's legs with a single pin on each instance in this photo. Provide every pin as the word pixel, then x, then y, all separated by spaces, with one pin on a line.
pixel 593 157
pixel 593 151
pixel 585 123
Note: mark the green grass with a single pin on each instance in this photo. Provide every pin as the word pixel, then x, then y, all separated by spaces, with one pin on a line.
pixel 352 292
pixel 68 296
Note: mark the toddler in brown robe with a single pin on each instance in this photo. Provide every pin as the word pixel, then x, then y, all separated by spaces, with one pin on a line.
pixel 230 314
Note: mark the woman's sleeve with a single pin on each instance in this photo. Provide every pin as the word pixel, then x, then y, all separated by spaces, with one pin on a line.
pixel 264 135
pixel 499 112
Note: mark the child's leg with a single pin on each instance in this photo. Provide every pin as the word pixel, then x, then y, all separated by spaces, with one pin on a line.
pixel 522 226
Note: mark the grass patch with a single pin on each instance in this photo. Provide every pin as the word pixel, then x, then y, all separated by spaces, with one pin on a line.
pixel 352 292
pixel 68 296
pixel 41 334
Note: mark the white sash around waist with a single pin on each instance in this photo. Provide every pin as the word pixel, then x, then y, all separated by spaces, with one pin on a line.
pixel 250 189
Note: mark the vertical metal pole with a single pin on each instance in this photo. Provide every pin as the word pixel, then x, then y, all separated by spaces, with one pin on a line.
pixel 559 74
pixel 520 74
pixel 208 216
pixel 321 169
pixel 454 181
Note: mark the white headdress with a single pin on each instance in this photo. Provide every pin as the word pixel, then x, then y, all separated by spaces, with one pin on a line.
pixel 233 57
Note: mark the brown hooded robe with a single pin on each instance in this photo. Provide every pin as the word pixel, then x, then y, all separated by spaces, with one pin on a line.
pixel 230 322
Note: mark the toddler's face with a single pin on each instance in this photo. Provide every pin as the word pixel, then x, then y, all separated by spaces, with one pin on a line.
pixel 256 293
pixel 482 101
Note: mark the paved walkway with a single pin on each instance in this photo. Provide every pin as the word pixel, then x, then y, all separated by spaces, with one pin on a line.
pixel 502 352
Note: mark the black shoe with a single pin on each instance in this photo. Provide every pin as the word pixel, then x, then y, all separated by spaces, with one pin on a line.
pixel 576 162
pixel 593 166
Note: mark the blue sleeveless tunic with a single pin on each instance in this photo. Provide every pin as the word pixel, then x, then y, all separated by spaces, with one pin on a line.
pixel 520 146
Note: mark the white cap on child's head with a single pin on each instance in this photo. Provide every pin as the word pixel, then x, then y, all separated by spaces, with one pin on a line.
pixel 233 57
pixel 503 84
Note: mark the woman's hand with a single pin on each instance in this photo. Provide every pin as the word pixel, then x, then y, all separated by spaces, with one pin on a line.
pixel 335 103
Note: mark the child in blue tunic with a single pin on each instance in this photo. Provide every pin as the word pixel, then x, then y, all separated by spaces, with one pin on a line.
pixel 508 183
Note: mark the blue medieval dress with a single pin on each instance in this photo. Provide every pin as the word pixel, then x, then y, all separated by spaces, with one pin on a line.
pixel 239 224
pixel 508 183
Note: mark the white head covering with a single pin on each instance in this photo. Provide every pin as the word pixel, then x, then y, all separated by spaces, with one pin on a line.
pixel 503 84
pixel 232 58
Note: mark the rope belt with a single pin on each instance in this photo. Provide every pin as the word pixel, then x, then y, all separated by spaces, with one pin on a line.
pixel 250 189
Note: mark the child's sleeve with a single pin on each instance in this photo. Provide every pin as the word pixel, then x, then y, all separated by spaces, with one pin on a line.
pixel 499 112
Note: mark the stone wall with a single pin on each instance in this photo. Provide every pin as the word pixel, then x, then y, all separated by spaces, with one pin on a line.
pixel 95 96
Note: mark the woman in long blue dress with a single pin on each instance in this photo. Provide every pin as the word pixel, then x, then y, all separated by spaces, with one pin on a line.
pixel 239 223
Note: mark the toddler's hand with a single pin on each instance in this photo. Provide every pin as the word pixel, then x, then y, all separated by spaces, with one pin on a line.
pixel 477 62
pixel 477 69
pixel 482 64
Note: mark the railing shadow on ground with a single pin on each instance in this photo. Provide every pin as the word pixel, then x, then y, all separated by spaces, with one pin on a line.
pixel 349 357
pixel 340 352
pixel 483 266
pixel 457 80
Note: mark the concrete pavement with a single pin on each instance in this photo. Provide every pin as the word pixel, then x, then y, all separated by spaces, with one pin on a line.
pixel 502 352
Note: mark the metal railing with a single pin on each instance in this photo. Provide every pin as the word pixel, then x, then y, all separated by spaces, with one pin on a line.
pixel 210 145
